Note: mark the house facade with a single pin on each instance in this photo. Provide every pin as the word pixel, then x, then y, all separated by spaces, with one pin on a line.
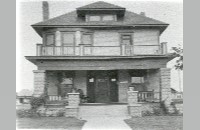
pixel 102 51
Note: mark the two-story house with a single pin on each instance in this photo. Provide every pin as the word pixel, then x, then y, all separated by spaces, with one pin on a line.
pixel 101 49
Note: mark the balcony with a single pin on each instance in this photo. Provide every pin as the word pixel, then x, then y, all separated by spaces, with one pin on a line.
pixel 88 50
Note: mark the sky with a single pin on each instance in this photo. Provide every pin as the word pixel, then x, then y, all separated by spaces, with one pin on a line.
pixel 30 11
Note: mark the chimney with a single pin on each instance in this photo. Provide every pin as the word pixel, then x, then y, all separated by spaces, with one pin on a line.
pixel 142 13
pixel 45 9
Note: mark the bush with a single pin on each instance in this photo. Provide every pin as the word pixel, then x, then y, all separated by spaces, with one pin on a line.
pixel 164 108
pixel 26 113
pixel 147 113
pixel 37 101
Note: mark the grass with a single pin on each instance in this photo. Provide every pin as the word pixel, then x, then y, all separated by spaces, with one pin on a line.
pixel 156 123
pixel 50 123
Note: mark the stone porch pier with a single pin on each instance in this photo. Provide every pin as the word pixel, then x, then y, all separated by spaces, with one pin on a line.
pixel 39 82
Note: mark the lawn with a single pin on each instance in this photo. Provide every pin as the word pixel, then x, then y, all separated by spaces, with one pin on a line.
pixel 50 123
pixel 156 123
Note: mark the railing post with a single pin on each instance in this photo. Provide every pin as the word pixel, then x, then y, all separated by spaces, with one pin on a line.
pixel 123 49
pixel 39 49
pixel 72 110
pixel 81 49
pixel 164 47
pixel 134 108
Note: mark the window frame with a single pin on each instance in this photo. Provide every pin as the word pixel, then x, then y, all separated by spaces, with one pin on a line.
pixel 62 38
pixel 126 34
pixel 91 38
pixel 46 34
pixel 114 16
pixel 141 79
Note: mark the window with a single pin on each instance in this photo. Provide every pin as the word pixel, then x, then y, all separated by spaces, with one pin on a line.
pixel 94 18
pixel 101 18
pixel 126 39
pixel 108 18
pixel 137 80
pixel 50 39
pixel 87 39
pixel 68 39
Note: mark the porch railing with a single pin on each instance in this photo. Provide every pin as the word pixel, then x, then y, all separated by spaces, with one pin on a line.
pixel 148 96
pixel 88 50
pixel 54 98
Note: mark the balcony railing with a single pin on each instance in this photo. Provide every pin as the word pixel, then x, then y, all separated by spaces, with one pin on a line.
pixel 87 50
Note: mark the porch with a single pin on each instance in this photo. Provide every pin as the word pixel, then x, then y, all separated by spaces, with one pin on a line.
pixel 102 86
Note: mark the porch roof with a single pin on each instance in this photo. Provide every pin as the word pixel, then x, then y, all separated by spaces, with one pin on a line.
pixel 99 62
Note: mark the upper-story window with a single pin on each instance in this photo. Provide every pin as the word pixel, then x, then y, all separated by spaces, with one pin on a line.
pixel 68 39
pixel 101 18
pixel 126 39
pixel 87 39
pixel 50 39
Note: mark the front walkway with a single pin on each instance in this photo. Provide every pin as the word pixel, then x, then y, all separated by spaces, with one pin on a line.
pixel 105 123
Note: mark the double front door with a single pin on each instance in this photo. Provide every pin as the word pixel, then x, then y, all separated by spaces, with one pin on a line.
pixel 102 87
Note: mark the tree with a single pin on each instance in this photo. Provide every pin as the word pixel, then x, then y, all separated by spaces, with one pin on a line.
pixel 178 53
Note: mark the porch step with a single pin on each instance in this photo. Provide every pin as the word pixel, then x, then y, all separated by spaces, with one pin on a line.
pixel 101 110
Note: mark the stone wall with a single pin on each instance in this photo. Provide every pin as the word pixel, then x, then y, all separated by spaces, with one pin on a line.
pixel 124 81
pixel 39 82
pixel 72 110
pixel 165 86
pixel 134 109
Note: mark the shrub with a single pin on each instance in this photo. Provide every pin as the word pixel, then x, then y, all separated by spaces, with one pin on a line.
pixel 157 112
pixel 26 113
pixel 147 113
pixel 37 101
pixel 164 108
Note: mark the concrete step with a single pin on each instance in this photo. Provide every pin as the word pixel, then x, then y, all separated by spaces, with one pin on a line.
pixel 103 110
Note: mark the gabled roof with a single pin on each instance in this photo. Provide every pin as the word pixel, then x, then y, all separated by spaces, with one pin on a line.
pixel 101 5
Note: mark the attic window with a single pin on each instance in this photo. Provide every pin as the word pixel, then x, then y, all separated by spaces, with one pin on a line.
pixel 94 18
pixel 108 18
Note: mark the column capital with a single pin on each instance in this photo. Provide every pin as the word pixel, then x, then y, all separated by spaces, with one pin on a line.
pixel 39 71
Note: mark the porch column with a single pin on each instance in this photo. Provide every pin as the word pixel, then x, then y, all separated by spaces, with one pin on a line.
pixel 58 38
pixel 165 86
pixel 39 83
pixel 78 37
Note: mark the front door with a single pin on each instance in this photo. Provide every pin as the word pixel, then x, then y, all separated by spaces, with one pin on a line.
pixel 102 89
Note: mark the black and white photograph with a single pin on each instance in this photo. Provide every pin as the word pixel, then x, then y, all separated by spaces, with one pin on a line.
pixel 99 65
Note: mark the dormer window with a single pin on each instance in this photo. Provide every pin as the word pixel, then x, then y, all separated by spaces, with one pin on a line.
pixel 106 17
pixel 94 18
